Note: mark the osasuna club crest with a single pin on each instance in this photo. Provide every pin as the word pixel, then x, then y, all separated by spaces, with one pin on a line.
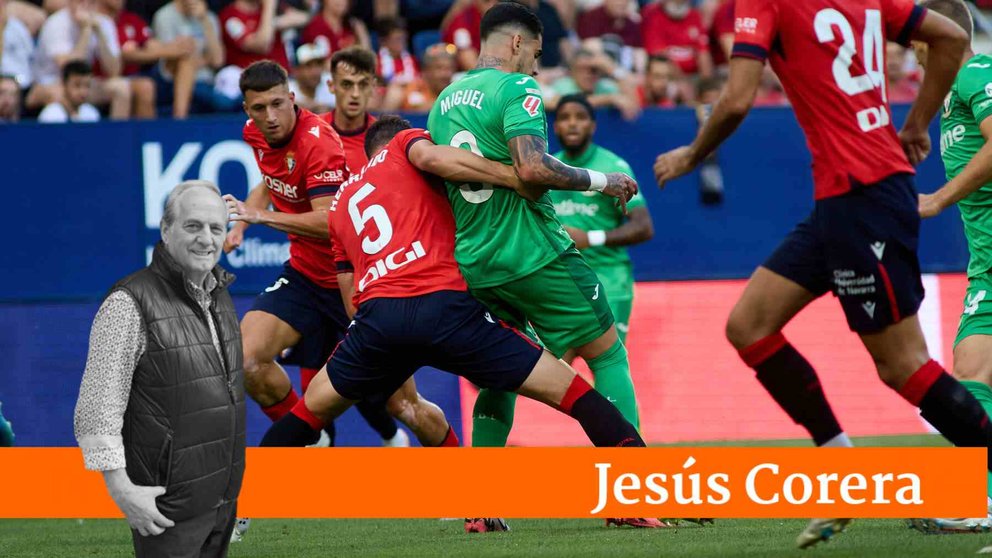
pixel 290 161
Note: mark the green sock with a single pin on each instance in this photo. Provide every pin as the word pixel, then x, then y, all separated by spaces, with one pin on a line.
pixel 983 393
pixel 492 418
pixel 6 432
pixel 611 373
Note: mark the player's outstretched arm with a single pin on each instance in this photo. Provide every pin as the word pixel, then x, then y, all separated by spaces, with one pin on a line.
pixel 258 198
pixel 946 41
pixel 975 174
pixel 460 165
pixel 312 223
pixel 540 172
pixel 730 109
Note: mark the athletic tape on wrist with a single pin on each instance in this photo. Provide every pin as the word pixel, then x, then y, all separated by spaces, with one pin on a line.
pixel 596 238
pixel 597 180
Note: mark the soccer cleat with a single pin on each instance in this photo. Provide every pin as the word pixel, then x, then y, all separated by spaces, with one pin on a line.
pixel 400 440
pixel 240 528
pixel 638 522
pixel 820 530
pixel 485 524
pixel 701 521
pixel 947 526
pixel 986 550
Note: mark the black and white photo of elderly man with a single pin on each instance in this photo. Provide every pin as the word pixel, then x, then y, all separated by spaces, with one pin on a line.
pixel 161 406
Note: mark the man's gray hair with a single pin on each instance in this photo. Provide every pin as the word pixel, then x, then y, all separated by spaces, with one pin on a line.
pixel 169 215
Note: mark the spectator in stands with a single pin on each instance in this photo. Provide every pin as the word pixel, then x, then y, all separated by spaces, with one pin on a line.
pixel 770 92
pixel 16 48
pixel 78 32
pixel 310 79
pixel 189 79
pixel 333 29
pixel 77 79
pixel 463 31
pixel 902 87
pixel 394 61
pixel 612 18
pixel 661 84
pixel 675 29
pixel 721 33
pixel 556 47
pixel 33 17
pixel 708 91
pixel 10 100
pixel 589 74
pixel 419 95
pixel 138 49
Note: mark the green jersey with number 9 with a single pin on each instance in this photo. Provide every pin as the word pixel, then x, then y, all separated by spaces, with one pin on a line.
pixel 500 236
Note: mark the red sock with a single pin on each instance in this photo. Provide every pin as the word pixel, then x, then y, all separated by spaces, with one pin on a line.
pixel 301 412
pixel 279 410
pixel 306 376
pixel 576 389
pixel 450 440
pixel 920 382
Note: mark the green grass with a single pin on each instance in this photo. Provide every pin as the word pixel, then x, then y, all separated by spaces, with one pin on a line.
pixel 571 538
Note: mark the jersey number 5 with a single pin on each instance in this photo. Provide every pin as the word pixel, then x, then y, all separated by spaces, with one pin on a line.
pixel 472 192
pixel 375 213
pixel 873 56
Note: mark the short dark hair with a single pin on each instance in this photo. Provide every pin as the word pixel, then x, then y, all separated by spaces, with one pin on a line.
pixel 579 99
pixel 658 58
pixel 510 14
pixel 383 130
pixel 262 76
pixel 75 68
pixel 389 24
pixel 707 84
pixel 954 10
pixel 359 58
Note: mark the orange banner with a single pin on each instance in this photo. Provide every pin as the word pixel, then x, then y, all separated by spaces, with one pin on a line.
pixel 548 482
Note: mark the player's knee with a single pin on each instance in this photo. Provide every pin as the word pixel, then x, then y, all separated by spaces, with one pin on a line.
pixel 741 330
pixel 403 409
pixel 895 370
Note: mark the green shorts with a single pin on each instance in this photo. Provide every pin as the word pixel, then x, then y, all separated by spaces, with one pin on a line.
pixel 564 301
pixel 976 319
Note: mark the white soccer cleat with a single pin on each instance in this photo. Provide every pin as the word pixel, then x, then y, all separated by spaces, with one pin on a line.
pixel 400 440
pixel 943 525
pixel 986 550
pixel 323 442
pixel 820 530
pixel 240 528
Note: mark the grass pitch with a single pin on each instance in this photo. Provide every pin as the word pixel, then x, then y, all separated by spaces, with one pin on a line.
pixel 571 538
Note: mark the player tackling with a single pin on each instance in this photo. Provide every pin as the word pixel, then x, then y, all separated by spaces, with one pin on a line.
pixel 860 240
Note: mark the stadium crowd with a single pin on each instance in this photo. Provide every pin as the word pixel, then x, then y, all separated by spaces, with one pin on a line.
pixel 80 60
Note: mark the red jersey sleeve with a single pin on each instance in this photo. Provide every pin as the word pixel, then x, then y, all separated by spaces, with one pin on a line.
pixel 755 28
pixel 407 138
pixel 326 169
pixel 902 18
pixel 341 260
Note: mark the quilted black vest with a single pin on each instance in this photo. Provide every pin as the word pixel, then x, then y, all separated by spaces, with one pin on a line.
pixel 184 427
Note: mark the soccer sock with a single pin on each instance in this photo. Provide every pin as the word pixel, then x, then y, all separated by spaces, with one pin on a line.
pixel 297 428
pixel 378 418
pixel 492 418
pixel 279 410
pixel 793 384
pixel 983 393
pixel 948 406
pixel 450 439
pixel 611 372
pixel 601 420
pixel 306 376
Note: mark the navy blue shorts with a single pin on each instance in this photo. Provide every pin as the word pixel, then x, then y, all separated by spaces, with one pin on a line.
pixel 862 247
pixel 315 312
pixel 393 337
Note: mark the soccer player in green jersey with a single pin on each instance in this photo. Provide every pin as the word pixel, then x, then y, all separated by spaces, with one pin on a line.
pixel 965 128
pixel 599 229
pixel 513 252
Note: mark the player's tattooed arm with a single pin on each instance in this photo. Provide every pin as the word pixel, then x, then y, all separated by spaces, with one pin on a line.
pixel 541 172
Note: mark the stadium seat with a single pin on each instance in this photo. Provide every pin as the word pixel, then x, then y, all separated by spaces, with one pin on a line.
pixel 424 39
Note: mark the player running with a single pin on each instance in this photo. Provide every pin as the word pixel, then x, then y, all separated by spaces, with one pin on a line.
pixel 394 238
pixel 965 127
pixel 860 240
pixel 299 178
pixel 601 231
